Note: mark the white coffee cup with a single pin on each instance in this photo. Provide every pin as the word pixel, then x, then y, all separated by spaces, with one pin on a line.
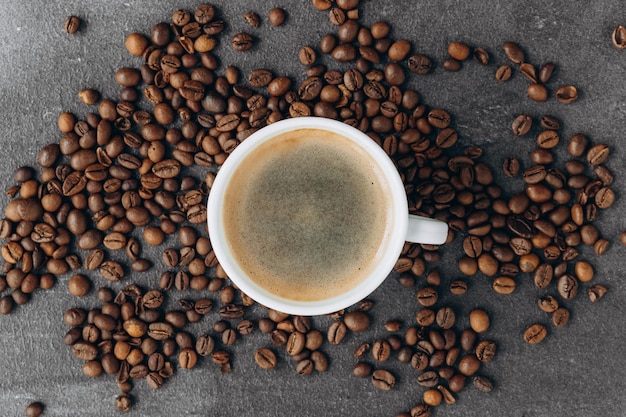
pixel 406 227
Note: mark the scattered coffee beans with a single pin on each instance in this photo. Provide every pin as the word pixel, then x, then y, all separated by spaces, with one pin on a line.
pixel 124 168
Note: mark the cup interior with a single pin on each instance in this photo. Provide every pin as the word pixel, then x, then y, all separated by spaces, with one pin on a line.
pixel 390 253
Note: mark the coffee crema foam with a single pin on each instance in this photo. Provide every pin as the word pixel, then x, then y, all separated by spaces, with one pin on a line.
pixel 307 215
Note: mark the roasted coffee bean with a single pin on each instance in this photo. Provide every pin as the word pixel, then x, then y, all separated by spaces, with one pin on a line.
pixel 560 317
pixel 618 37
pixel 187 358
pixel 427 296
pixel 537 92
pixel 548 139
pixel 528 71
pixel 419 64
pixel 596 292
pixel 72 24
pixel 566 94
pixel 503 285
pixel 305 367
pixel 34 409
pixel 231 311
pixel 362 370
pixel 521 125
pixel 469 365
pixel 597 154
pixel 265 358
pixel 483 384
pixel 513 52
pixel 84 351
pixel 472 246
pixel 383 380
pixel 357 321
pixel 336 332
pixel 277 16
pixel 503 73
pixel 549 123
pixel 428 379
pixel 485 351
pixel 459 50
pixel 545 72
pixel 242 42
pixel 535 333
pixel 479 320
pixel 451 64
pixel 381 350
pixel 445 317
pixel 511 167
pixel 567 287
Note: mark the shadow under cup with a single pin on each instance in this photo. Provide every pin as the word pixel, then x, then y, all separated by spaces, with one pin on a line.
pixel 307 216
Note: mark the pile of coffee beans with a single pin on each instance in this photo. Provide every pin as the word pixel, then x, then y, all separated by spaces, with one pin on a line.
pixel 126 177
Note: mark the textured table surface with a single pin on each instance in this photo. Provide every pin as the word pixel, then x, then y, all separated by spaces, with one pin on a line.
pixel 577 371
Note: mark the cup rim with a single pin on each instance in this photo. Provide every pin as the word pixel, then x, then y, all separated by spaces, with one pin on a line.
pixel 395 242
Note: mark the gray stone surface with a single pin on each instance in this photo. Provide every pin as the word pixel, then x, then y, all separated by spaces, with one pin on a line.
pixel 578 371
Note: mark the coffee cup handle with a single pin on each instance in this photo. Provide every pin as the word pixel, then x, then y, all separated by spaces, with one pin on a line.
pixel 424 230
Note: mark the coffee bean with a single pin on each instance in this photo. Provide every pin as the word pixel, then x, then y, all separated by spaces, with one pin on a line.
pixel 432 397
pixel 419 64
pixel 545 72
pixel 535 333
pixel 458 287
pixel 485 351
pixel 428 379
pixel 566 94
pixel 277 16
pixel 305 367
pixel 357 321
pixel 483 384
pixel 597 154
pixel 427 296
pixel 381 350
pixel 187 358
pixel 79 285
pixel 34 409
pixel 265 358
pixel 511 167
pixel 383 380
pixel 479 320
pixel 567 287
pixel 445 317
pixel 548 139
pixel 472 246
pixel 72 24
pixel 123 403
pixel 459 50
pixel 618 37
pixel 205 345
pixel 503 73
pixel 469 365
pixel 481 56
pixel 560 317
pixel 596 292
pixel 528 71
pixel 549 123
pixel 513 52
pixel 503 285
pixel 336 332
pixel 362 370
pixel 242 42
pixel 537 92
pixel 451 65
